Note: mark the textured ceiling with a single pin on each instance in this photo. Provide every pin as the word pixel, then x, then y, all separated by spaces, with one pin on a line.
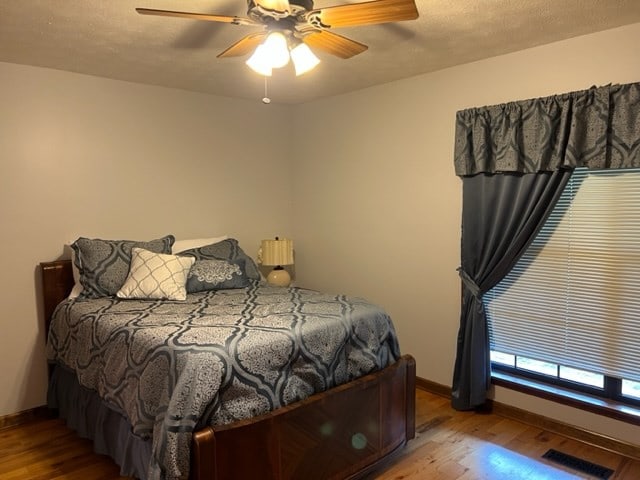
pixel 107 38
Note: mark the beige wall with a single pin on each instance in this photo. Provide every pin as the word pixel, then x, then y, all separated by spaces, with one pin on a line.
pixel 81 155
pixel 377 206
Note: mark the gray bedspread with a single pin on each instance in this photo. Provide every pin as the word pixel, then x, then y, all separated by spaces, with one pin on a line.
pixel 173 367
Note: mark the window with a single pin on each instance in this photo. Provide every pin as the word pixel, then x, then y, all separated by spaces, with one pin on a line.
pixel 569 312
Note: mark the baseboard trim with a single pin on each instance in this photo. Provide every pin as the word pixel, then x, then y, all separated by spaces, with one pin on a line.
pixel 545 423
pixel 26 416
pixel 433 387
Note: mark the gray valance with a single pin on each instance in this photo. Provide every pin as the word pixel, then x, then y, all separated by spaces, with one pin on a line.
pixel 595 128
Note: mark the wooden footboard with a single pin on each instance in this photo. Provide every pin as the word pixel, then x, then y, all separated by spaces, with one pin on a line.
pixel 338 434
pixel 341 433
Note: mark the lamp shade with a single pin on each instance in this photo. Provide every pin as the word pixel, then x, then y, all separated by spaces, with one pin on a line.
pixel 277 252
pixel 276 49
pixel 270 54
pixel 303 59
pixel 259 62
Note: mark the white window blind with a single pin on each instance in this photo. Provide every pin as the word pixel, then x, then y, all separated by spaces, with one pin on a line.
pixel 574 298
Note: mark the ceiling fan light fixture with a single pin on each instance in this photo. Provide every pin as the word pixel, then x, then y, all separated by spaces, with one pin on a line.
pixel 285 22
pixel 303 59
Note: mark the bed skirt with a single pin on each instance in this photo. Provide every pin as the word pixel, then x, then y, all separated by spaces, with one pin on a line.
pixel 92 418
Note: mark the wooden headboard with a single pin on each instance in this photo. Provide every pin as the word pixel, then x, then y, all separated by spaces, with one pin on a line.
pixel 57 282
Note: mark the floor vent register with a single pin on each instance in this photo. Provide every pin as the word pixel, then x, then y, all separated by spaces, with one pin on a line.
pixel 584 466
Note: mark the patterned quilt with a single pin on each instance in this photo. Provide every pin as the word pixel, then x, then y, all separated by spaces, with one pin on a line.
pixel 172 367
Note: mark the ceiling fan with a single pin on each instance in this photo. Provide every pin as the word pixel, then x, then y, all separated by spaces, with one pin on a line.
pixel 287 28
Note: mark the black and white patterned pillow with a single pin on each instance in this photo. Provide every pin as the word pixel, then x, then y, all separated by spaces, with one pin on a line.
pixel 104 264
pixel 156 276
pixel 228 250
pixel 217 275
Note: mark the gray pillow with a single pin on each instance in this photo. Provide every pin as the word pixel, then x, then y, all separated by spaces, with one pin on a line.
pixel 228 250
pixel 217 275
pixel 104 264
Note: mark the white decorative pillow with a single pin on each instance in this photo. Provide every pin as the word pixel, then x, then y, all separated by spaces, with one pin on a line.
pixel 77 286
pixel 156 276
pixel 182 245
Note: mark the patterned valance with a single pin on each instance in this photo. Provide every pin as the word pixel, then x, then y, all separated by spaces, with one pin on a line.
pixel 595 128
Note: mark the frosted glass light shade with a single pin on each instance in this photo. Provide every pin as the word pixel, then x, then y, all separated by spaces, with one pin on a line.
pixel 270 54
pixel 259 62
pixel 277 252
pixel 276 48
pixel 303 59
pixel 274 53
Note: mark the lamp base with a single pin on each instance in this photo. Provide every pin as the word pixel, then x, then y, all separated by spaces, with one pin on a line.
pixel 279 277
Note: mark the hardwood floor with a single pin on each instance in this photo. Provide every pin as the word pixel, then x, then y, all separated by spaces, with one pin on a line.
pixel 452 445
pixel 449 445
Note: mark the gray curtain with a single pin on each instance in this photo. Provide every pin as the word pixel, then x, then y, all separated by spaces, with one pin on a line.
pixel 501 216
pixel 514 160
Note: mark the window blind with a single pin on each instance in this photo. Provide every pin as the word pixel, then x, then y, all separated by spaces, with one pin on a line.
pixel 574 297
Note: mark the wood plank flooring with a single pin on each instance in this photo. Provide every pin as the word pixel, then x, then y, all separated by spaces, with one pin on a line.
pixel 449 445
pixel 452 445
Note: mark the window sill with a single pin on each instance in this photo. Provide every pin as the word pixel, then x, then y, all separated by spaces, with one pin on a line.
pixel 582 401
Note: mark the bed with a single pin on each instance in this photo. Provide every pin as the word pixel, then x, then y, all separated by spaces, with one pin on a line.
pixel 341 424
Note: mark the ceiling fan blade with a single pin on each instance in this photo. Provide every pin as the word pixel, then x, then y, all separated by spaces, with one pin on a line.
pixel 334 44
pixel 198 16
pixel 367 13
pixel 243 46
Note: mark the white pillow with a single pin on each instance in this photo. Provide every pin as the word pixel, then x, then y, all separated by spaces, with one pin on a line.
pixel 156 275
pixel 77 286
pixel 182 245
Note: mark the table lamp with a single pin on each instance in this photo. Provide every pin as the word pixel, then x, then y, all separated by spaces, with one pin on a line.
pixel 277 253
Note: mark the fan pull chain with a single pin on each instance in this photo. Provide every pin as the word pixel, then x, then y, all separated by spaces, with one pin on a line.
pixel 266 100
